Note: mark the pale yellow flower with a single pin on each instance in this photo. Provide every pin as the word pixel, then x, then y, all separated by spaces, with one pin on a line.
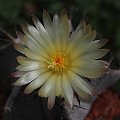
pixel 57 59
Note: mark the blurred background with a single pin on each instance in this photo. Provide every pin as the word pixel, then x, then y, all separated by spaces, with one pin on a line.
pixel 104 15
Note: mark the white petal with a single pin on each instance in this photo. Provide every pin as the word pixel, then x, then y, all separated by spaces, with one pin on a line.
pixel 48 86
pixel 19 48
pixel 45 40
pixel 98 43
pixel 90 37
pixel 83 33
pixel 20 37
pixel 67 89
pixel 88 68
pixel 81 43
pixel 79 32
pixel 18 73
pixel 24 29
pixel 27 78
pixel 38 24
pixel 35 46
pixel 79 85
pixel 88 28
pixel 77 49
pixel 37 36
pixel 34 32
pixel 26 61
pixel 58 88
pixel 51 100
pixel 65 24
pixel 38 82
pixel 51 96
pixel 48 23
pixel 33 55
pixel 43 32
pixel 95 54
pixel 57 32
pixel 88 47
pixel 66 28
pixel 27 68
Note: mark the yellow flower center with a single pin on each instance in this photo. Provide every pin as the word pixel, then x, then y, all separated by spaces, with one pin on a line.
pixel 58 62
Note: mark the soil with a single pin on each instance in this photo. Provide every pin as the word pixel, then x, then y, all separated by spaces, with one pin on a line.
pixel 106 107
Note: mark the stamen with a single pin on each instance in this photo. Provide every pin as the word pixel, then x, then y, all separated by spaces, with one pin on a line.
pixel 58 62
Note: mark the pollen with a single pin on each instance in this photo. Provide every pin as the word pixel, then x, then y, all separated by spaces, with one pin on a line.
pixel 58 62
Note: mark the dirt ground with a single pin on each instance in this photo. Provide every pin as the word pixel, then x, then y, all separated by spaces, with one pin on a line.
pixel 106 107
